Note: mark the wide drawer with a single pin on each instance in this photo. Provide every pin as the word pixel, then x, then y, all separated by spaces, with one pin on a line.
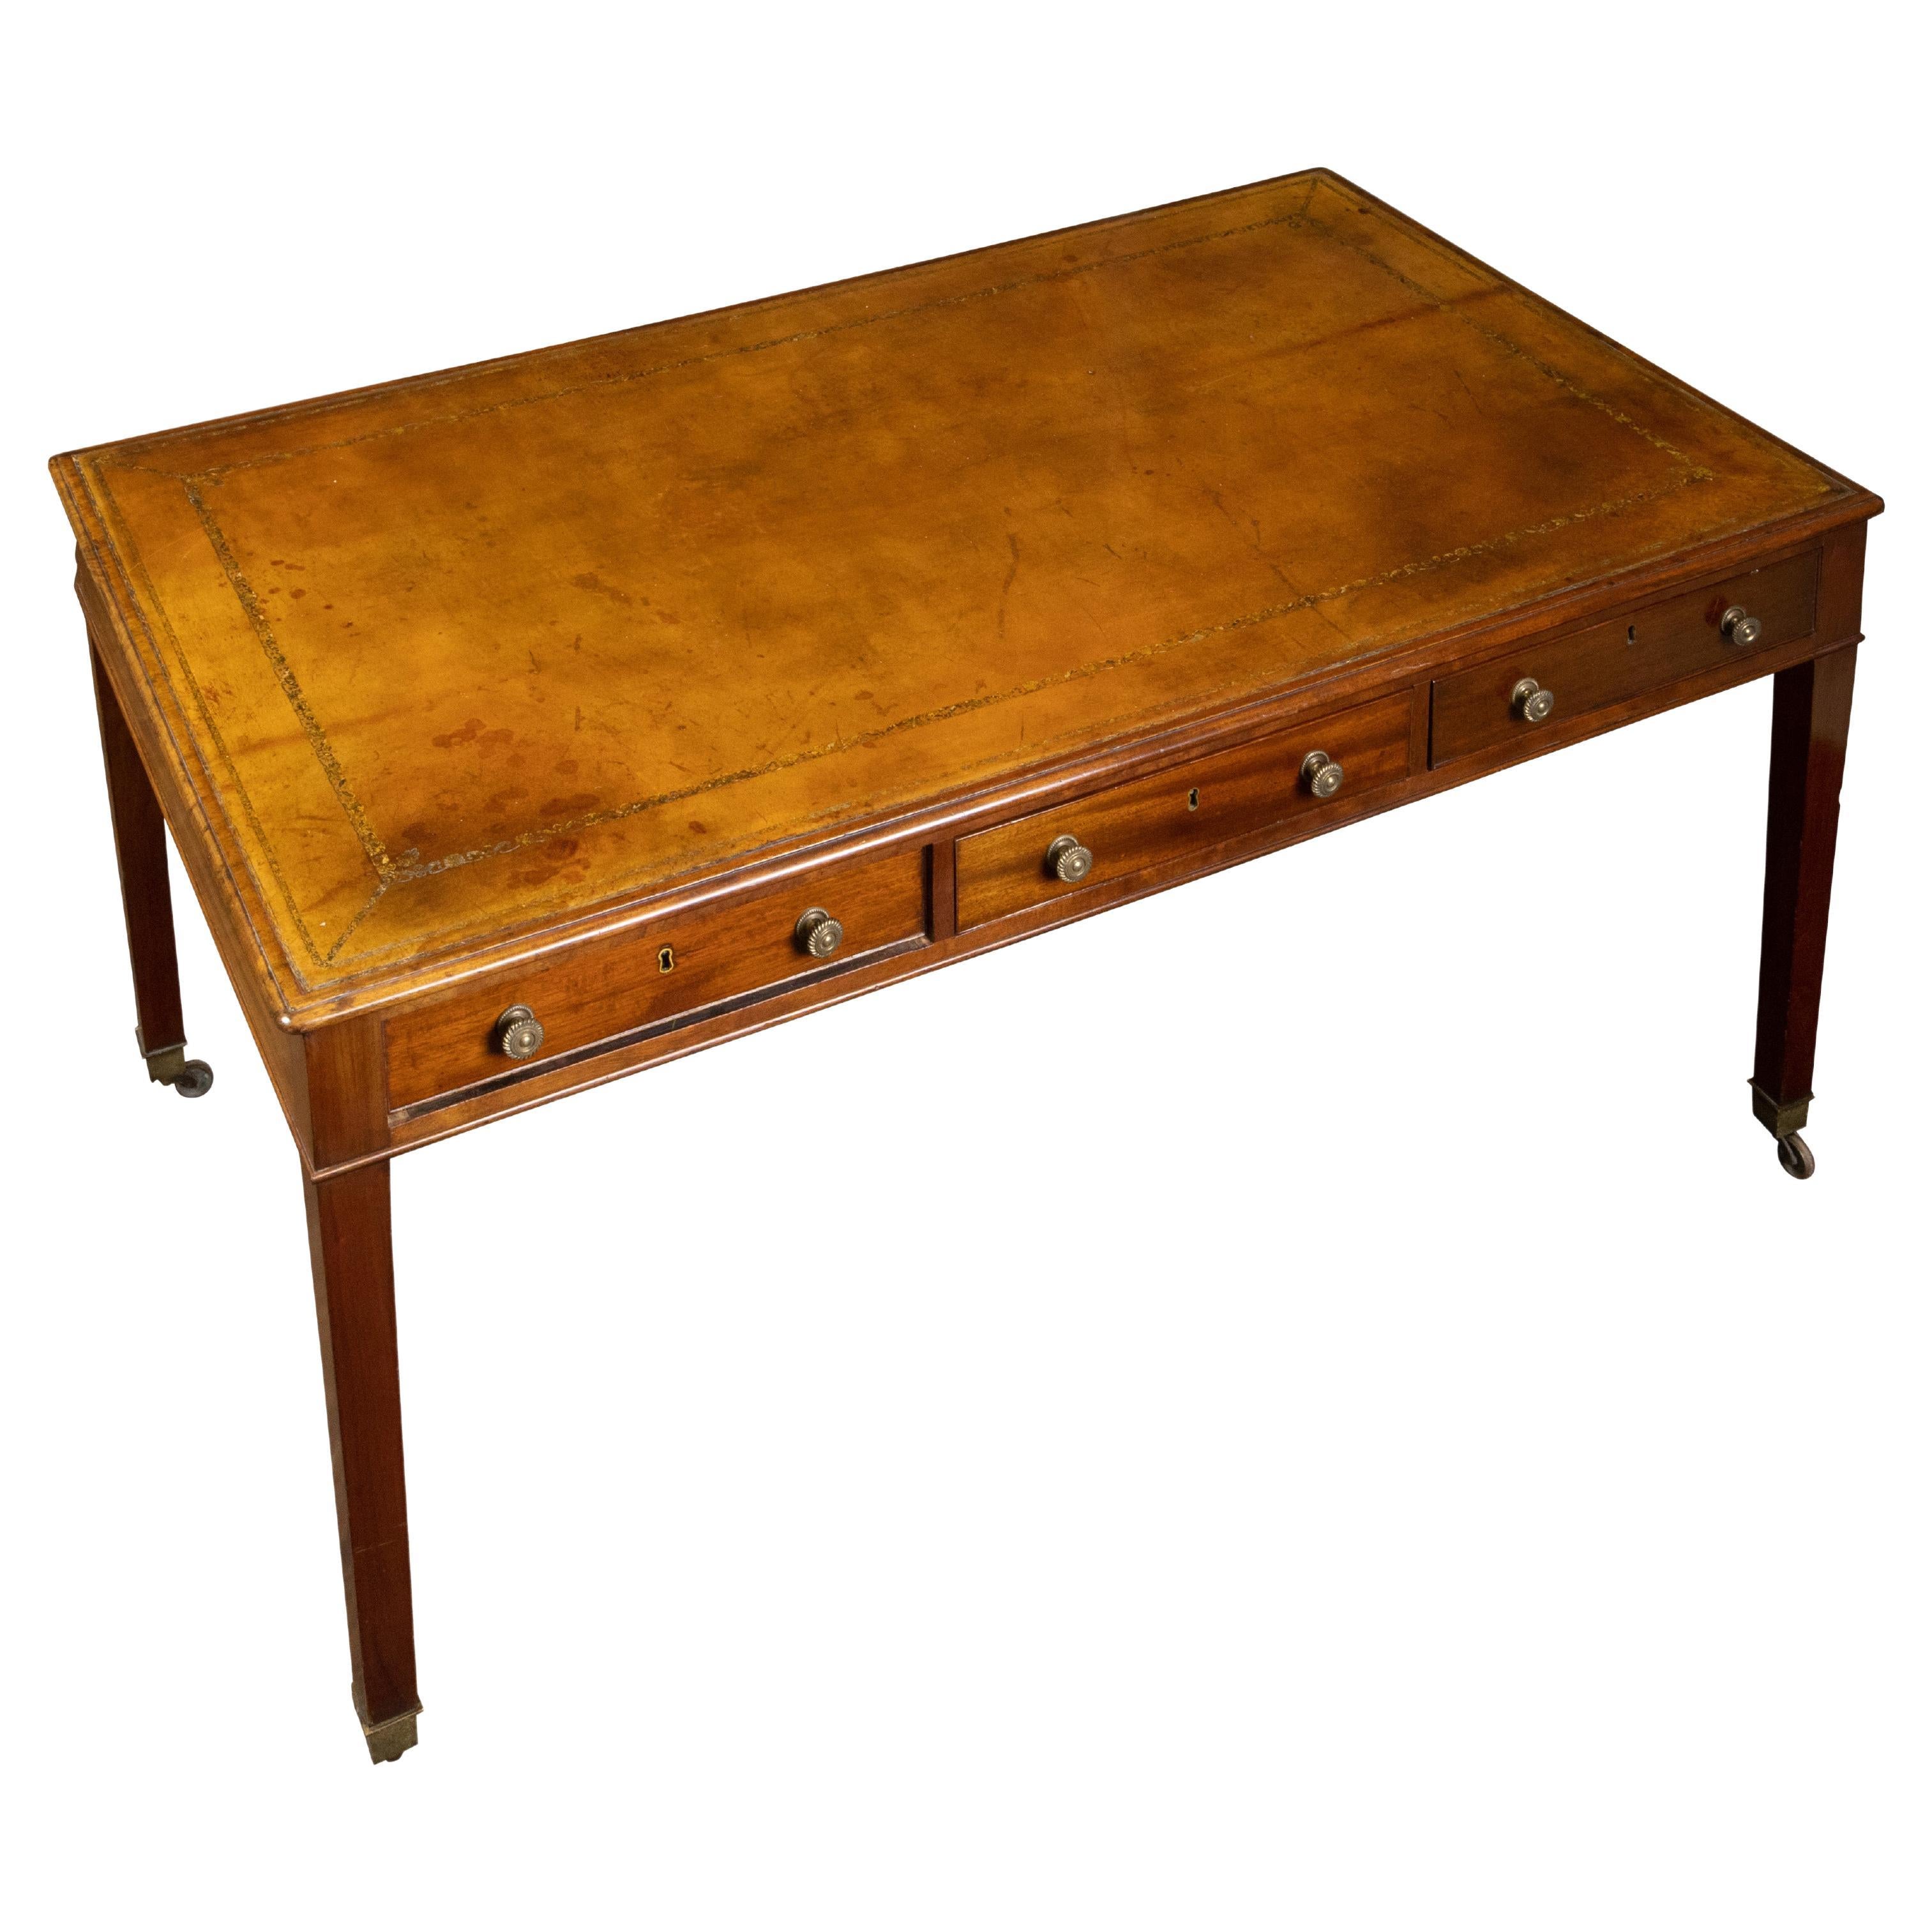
pixel 684 965
pixel 1186 808
pixel 1632 653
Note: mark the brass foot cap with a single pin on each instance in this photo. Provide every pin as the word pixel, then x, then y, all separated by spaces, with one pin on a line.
pixel 1780 1117
pixel 388 1742
pixel 166 1064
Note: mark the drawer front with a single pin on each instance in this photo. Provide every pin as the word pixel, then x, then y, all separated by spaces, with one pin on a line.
pixel 685 963
pixel 1186 808
pixel 1636 652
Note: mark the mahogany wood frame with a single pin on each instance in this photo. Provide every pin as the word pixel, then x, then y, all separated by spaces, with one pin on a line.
pixel 140 847
pixel 1437 688
pixel 1811 716
pixel 332 1078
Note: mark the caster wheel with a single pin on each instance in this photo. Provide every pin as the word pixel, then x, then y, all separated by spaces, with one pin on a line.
pixel 194 1080
pixel 1796 1158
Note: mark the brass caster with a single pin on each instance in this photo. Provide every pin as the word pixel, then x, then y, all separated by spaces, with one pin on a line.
pixel 194 1079
pixel 1796 1158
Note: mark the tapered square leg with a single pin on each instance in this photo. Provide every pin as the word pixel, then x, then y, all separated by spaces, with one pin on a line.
pixel 141 846
pixel 355 1312
pixel 1811 716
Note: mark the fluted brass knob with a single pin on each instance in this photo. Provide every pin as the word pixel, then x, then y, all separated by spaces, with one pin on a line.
pixel 1068 859
pixel 1321 774
pixel 1531 702
pixel 818 933
pixel 519 1032
pixel 1739 626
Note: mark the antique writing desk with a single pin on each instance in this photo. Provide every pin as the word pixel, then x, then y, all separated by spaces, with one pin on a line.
pixel 524 725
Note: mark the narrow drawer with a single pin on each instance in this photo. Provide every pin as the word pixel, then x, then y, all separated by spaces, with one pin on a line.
pixel 1635 651
pixel 1186 808
pixel 684 964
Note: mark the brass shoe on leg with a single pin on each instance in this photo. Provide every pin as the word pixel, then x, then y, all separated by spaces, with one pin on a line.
pixel 388 1741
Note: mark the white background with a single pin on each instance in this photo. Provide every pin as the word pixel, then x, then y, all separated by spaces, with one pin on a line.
pixel 1308 1400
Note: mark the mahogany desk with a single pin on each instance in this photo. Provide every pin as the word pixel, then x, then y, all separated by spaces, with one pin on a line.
pixel 524 725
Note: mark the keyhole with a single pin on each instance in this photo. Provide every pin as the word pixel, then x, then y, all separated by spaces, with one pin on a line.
pixel 667 959
pixel 1629 636
pixel 1194 799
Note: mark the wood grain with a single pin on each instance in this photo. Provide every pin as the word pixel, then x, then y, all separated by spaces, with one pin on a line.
pixel 664 968
pixel 1190 807
pixel 141 850
pixel 356 1315
pixel 1811 716
pixel 1637 650
pixel 345 1091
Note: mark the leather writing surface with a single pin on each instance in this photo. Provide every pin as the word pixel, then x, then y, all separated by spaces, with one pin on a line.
pixel 491 647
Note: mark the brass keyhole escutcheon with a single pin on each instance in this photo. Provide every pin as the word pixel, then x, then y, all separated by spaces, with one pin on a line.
pixel 667 959
pixel 1194 799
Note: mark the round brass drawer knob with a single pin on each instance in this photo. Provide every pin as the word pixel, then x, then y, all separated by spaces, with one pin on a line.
pixel 519 1032
pixel 1321 774
pixel 1068 859
pixel 1531 702
pixel 818 933
pixel 1739 626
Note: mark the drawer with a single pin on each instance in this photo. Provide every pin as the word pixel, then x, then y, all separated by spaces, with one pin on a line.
pixel 1633 652
pixel 683 965
pixel 1186 808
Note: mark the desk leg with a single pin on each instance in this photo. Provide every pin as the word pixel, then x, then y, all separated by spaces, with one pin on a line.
pixel 355 1310
pixel 141 845
pixel 1811 714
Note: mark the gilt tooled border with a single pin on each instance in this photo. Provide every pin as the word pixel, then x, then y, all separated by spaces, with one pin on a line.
pixel 389 873
pixel 125 554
